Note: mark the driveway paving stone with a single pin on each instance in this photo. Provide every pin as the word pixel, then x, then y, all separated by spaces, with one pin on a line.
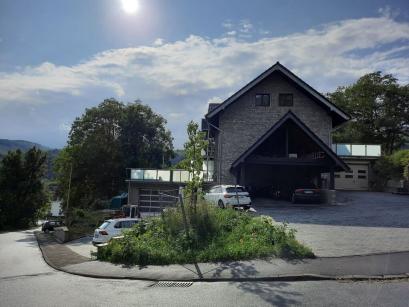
pixel 360 223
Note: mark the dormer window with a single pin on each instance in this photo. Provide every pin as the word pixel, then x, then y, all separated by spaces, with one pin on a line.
pixel 262 100
pixel 285 100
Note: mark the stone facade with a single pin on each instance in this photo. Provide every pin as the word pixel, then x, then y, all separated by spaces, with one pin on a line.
pixel 243 123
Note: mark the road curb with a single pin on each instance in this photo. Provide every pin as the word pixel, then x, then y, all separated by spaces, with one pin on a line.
pixel 288 278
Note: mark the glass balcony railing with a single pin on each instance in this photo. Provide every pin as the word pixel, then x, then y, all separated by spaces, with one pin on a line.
pixel 358 150
pixel 177 176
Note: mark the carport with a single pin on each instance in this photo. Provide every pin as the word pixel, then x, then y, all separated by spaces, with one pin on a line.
pixel 287 156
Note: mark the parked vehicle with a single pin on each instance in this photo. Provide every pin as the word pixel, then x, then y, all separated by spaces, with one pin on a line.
pixel 49 225
pixel 307 193
pixel 112 228
pixel 229 196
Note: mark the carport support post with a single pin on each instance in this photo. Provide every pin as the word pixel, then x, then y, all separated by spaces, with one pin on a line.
pixel 331 178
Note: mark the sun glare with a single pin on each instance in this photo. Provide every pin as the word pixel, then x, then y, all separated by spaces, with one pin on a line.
pixel 130 6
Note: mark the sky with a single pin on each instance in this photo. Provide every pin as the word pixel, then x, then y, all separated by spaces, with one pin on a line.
pixel 59 57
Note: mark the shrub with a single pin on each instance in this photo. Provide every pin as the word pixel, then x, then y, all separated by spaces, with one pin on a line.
pixel 213 235
pixel 395 166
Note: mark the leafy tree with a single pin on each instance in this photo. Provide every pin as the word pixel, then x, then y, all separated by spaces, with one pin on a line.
pixel 193 161
pixel 379 107
pixel 22 194
pixel 102 143
pixel 395 166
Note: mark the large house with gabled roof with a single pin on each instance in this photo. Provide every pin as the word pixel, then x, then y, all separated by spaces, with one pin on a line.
pixel 275 131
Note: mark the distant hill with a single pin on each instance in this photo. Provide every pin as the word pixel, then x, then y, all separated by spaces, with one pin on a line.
pixel 179 156
pixel 10 145
pixel 7 145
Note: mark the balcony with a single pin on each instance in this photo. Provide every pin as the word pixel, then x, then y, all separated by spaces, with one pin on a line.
pixel 161 175
pixel 357 150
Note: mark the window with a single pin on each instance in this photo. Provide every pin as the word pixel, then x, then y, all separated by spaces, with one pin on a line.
pixel 285 100
pixel 235 190
pixel 361 177
pixel 337 176
pixel 361 171
pixel 104 225
pixel 262 100
pixel 118 225
pixel 349 176
pixel 128 224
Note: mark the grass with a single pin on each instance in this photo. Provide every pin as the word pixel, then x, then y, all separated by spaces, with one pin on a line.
pixel 214 235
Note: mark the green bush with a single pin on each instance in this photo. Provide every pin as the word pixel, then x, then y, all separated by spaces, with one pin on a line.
pixel 394 166
pixel 214 235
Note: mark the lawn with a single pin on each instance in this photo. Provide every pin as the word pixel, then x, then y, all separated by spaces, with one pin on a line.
pixel 212 235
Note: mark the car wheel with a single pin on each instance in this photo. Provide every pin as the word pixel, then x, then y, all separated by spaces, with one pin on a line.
pixel 294 199
pixel 221 204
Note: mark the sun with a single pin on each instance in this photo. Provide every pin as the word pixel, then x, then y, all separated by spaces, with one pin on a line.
pixel 130 6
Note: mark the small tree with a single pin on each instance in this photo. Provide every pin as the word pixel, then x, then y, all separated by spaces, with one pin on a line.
pixel 22 193
pixel 193 162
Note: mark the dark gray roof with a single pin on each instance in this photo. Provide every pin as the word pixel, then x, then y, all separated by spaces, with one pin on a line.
pixel 212 106
pixel 339 115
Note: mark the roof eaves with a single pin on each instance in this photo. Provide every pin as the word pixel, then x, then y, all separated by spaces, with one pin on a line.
pixel 307 130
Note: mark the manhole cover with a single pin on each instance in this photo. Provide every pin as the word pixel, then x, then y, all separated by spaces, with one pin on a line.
pixel 177 284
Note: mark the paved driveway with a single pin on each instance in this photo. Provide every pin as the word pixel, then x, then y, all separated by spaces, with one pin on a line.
pixel 361 223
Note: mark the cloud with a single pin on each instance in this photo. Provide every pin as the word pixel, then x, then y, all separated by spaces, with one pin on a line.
pixel 159 42
pixel 64 127
pixel 215 99
pixel 388 12
pixel 324 55
pixel 227 24
pixel 246 26
pixel 185 74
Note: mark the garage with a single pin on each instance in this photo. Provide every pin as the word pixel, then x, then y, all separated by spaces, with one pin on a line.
pixel 287 157
pixel 356 179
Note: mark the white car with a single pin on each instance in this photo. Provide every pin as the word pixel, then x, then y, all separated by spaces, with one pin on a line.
pixel 112 228
pixel 228 195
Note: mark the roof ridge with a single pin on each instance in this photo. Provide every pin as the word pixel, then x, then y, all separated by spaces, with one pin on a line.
pixel 293 77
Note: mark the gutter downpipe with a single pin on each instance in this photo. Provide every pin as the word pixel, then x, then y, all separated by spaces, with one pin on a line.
pixel 219 151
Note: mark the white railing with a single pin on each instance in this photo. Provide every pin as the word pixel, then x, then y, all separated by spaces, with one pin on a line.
pixel 359 150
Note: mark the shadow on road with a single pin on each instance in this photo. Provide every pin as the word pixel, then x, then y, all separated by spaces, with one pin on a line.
pixel 28 238
pixel 274 293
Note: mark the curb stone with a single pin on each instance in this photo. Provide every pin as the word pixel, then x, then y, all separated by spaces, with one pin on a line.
pixel 288 278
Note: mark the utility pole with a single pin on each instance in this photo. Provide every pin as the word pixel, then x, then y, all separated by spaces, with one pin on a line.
pixel 69 189
pixel 182 207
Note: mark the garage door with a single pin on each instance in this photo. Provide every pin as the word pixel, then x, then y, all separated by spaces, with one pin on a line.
pixel 356 179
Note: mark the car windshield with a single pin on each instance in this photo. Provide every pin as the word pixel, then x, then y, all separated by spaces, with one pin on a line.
pixel 235 190
pixel 105 225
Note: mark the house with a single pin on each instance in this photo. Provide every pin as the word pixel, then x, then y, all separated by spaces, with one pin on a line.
pixel 274 132
pixel 360 159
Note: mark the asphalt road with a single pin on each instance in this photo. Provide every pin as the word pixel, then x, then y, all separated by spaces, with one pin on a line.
pixel 25 280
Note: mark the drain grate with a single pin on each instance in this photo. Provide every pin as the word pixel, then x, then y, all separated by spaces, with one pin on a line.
pixel 173 284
